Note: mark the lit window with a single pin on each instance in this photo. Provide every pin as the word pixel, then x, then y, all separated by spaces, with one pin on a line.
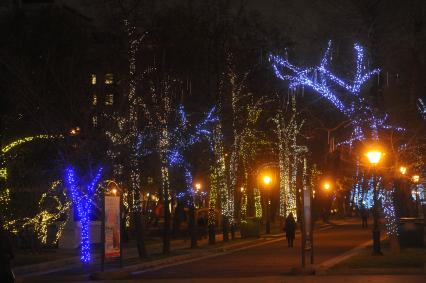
pixel 93 79
pixel 95 100
pixel 109 99
pixel 94 121
pixel 109 79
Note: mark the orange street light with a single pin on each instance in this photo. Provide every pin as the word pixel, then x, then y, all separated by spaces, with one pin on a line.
pixel 198 186
pixel 267 180
pixel 403 170
pixel 374 156
pixel 327 186
pixel 114 191
pixel 416 178
pixel 242 189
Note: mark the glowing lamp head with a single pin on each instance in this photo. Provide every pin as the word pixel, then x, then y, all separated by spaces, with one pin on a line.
pixel 75 131
pixel 403 170
pixel 267 180
pixel 114 191
pixel 242 189
pixel 416 178
pixel 374 156
pixel 327 186
pixel 198 186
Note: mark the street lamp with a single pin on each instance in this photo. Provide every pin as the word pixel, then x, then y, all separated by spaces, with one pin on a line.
pixel 403 170
pixel 267 180
pixel 326 186
pixel 415 179
pixel 374 157
pixel 197 186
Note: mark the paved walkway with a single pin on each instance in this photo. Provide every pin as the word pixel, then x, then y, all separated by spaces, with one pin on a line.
pixel 72 269
pixel 291 279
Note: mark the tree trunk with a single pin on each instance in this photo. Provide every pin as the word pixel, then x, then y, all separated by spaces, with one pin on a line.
pixel 166 229
pixel 212 234
pixel 193 226
pixel 140 237
pixel 225 229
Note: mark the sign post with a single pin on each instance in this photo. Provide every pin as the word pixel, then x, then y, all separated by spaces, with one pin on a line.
pixel 307 231
pixel 112 227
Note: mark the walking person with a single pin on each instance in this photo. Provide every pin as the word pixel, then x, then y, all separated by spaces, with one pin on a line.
pixel 6 255
pixel 290 229
pixel 364 216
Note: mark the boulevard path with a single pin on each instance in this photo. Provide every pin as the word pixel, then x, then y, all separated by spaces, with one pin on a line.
pixel 265 261
pixel 274 259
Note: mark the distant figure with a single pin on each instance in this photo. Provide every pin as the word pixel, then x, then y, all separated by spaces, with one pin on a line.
pixel 202 227
pixel 6 255
pixel 290 229
pixel 364 216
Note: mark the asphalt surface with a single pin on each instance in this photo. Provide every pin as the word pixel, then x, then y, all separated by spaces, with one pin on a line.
pixel 275 259
pixel 266 262
pixel 293 279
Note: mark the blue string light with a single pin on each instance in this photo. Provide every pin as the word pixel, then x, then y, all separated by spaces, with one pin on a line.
pixel 321 80
pixel 422 108
pixel 184 136
pixel 391 220
pixel 83 203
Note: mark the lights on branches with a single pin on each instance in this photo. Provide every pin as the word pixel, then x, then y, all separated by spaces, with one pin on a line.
pixel 422 108
pixel 82 201
pixel 321 80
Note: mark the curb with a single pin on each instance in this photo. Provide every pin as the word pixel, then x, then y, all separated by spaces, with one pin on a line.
pixel 378 271
pixel 41 267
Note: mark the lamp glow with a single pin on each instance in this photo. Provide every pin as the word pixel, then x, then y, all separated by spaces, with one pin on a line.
pixel 416 178
pixel 374 156
pixel 267 180
pixel 327 186
pixel 403 170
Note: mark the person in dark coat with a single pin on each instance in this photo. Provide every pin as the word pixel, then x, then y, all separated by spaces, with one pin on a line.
pixel 202 227
pixel 6 255
pixel 290 229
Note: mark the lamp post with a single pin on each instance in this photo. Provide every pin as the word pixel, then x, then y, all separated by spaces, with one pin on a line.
pixel 416 179
pixel 197 194
pixel 267 181
pixel 374 157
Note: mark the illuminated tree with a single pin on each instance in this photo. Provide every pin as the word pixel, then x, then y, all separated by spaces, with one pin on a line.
pixel 82 200
pixel 182 138
pixel 4 158
pixel 288 157
pixel 251 140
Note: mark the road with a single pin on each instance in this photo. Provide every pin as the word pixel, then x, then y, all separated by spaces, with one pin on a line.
pixel 273 259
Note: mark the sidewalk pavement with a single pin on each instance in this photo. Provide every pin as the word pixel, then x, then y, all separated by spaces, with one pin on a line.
pixel 179 252
pixel 128 253
pixel 292 279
